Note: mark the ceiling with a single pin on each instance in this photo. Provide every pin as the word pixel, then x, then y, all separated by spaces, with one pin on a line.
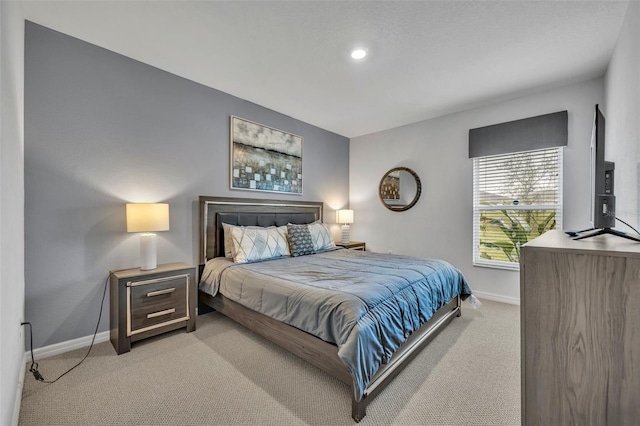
pixel 426 58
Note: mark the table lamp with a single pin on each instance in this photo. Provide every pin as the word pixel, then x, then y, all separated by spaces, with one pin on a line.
pixel 345 217
pixel 147 218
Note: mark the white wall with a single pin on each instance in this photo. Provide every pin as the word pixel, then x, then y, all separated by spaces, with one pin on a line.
pixel 11 209
pixel 440 224
pixel 622 113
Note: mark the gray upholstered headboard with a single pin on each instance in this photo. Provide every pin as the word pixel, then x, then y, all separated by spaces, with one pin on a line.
pixel 214 211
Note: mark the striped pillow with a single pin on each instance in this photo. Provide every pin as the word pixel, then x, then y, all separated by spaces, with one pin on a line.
pixel 321 237
pixel 228 240
pixel 255 243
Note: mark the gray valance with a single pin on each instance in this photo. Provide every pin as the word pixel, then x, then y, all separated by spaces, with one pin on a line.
pixel 543 131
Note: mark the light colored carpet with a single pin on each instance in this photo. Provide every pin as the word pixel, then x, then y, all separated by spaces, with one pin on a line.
pixel 224 374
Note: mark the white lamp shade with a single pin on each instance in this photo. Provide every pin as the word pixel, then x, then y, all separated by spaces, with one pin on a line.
pixel 147 217
pixel 345 216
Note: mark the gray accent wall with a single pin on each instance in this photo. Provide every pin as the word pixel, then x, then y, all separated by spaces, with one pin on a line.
pixel 102 130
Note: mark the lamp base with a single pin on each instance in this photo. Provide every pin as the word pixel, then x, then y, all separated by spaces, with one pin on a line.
pixel 345 234
pixel 148 252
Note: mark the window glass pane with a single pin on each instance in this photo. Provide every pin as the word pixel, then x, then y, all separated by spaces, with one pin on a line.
pixel 503 232
pixel 517 197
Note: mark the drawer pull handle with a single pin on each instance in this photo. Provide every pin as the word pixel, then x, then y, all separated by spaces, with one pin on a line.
pixel 159 292
pixel 161 313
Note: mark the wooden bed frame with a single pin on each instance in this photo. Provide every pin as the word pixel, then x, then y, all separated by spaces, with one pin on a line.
pixel 244 211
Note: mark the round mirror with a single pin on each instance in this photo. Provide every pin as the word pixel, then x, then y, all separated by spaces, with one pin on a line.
pixel 400 189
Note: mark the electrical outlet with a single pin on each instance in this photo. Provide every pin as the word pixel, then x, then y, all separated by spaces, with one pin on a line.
pixel 21 327
pixel 389 251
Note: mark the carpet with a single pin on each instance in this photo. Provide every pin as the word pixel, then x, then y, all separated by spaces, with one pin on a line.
pixel 224 374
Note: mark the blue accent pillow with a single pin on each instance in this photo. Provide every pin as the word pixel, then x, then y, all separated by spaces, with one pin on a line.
pixel 299 239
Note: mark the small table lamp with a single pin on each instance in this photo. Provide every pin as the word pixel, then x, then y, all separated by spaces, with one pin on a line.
pixel 345 217
pixel 148 218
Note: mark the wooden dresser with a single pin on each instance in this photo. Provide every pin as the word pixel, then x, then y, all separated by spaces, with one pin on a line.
pixel 580 330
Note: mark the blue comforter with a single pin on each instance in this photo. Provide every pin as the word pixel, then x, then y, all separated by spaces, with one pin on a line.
pixel 366 303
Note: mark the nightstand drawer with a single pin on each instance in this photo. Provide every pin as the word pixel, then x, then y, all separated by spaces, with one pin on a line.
pixel 156 303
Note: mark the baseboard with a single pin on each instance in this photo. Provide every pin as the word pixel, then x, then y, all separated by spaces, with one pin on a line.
pixel 62 347
pixel 18 401
pixel 496 297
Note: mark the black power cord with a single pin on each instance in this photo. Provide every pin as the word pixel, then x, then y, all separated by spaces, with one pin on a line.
pixel 34 365
pixel 620 220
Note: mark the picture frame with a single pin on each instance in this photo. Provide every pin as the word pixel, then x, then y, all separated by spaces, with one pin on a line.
pixel 263 158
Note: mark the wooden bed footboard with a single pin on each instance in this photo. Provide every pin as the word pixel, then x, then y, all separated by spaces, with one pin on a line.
pixel 325 355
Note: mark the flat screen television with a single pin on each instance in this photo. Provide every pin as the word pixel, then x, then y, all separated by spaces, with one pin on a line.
pixel 603 202
pixel 602 172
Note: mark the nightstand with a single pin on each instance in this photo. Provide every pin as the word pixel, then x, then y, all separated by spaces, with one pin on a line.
pixel 147 303
pixel 353 245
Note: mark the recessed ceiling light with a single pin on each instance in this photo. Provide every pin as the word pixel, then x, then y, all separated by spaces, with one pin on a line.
pixel 358 53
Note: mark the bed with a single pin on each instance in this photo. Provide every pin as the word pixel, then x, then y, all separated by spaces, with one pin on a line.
pixel 363 328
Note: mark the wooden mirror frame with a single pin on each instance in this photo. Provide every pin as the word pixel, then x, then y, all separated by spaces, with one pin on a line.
pixel 415 198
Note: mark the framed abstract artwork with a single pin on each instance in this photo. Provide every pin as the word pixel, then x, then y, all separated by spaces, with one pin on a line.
pixel 264 158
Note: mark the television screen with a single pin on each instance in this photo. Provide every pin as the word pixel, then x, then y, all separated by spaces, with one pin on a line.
pixel 603 202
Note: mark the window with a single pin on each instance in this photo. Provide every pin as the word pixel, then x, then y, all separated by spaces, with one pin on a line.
pixel 517 185
pixel 516 197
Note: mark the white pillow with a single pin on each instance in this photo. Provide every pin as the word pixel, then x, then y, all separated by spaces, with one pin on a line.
pixel 321 237
pixel 228 241
pixel 229 249
pixel 254 243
